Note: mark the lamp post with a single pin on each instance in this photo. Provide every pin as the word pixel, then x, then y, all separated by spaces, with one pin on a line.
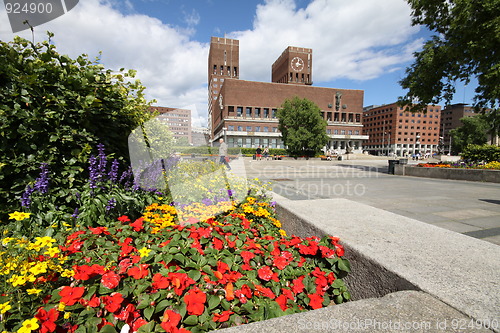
pixel 417 142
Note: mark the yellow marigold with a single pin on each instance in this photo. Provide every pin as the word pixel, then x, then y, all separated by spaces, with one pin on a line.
pixel 29 325
pixel 52 251
pixel 18 216
pixel 33 291
pixel 68 273
pixel 61 307
pixel 282 232
pixel 67 315
pixel 17 280
pixel 4 307
pixel 144 252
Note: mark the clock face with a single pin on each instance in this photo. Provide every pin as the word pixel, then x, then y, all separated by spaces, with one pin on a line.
pixel 297 64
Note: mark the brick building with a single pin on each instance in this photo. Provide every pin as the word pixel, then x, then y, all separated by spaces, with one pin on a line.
pixel 178 121
pixel 393 130
pixel 244 112
pixel 450 119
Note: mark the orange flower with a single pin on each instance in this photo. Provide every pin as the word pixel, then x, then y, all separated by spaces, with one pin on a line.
pixel 229 291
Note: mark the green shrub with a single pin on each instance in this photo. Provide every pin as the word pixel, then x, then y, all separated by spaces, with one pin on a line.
pixel 486 153
pixel 54 109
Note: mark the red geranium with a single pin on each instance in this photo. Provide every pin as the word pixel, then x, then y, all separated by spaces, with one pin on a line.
pixel 138 224
pixel 70 295
pixel 170 320
pixel 112 303
pixel 315 301
pixel 47 319
pixel 222 317
pixel 195 301
pixel 160 281
pixel 110 280
pixel 266 274
pixel 139 272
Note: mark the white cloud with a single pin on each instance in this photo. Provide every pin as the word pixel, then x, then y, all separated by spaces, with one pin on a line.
pixel 354 39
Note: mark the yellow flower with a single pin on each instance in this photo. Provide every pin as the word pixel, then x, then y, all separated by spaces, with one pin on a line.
pixel 4 307
pixel 17 280
pixel 18 216
pixel 67 315
pixel 282 232
pixel 68 273
pixel 6 240
pixel 34 291
pixel 61 307
pixel 29 325
pixel 144 252
pixel 52 251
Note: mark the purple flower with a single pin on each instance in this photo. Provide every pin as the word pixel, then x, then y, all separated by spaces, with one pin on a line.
pixel 113 173
pixel 75 213
pixel 42 182
pixel 93 173
pixel 111 204
pixel 26 197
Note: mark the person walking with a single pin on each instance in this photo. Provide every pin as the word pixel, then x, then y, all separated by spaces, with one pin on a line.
pixel 224 158
pixel 266 153
pixel 258 153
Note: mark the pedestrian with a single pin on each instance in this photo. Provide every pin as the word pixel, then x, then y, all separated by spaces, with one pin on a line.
pixel 258 153
pixel 266 153
pixel 224 158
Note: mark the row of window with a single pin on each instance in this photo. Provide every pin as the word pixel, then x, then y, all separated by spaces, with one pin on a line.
pixel 250 142
pixel 225 70
pixel 418 115
pixel 407 114
pixel 252 112
pixel 403 140
pixel 252 128
pixel 341 117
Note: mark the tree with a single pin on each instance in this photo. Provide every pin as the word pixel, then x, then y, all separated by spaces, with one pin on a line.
pixel 465 46
pixel 473 131
pixel 56 110
pixel 302 127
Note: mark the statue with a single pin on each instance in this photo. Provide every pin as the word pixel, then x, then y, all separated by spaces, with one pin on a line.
pixel 338 97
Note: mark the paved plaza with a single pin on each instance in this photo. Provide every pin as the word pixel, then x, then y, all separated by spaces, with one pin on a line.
pixel 469 208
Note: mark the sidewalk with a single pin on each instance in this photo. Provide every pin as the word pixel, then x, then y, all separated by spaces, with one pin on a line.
pixel 469 208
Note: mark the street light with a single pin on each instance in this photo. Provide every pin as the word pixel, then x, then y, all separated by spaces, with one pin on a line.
pixel 417 141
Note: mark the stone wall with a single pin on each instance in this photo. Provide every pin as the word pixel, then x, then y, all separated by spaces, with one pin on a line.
pixel 476 175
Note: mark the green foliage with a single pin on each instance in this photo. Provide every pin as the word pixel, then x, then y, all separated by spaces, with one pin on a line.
pixel 302 127
pixel 473 131
pixel 486 153
pixel 467 33
pixel 55 109
pixel 272 151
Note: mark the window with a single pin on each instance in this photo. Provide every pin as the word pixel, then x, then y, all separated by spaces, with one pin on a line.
pixel 257 112
pixel 266 129
pixel 230 128
pixel 349 132
pixel 273 113
pixel 275 129
pixel 328 131
pixel 240 128
pixel 248 112
pixel 336 131
pixel 257 128
pixel 239 111
pixel 249 128
pixel 230 109
pixel 266 112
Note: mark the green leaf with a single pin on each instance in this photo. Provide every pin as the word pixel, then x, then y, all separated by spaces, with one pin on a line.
pixel 162 305
pixel 213 301
pixel 107 329
pixel 191 320
pixel 148 312
pixel 344 265
pixel 195 275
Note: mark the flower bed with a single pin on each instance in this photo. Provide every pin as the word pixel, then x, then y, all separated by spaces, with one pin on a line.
pixel 462 165
pixel 224 263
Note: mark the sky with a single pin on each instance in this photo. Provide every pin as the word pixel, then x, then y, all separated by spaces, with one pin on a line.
pixel 357 44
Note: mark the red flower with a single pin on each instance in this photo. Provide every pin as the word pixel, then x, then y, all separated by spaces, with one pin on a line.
pixel 339 249
pixel 138 323
pixel 139 272
pixel 70 295
pixel 138 225
pixel 47 319
pixel 112 303
pixel 124 265
pixel 315 301
pixel 94 302
pixel 123 219
pixel 180 281
pixel 282 300
pixel 170 320
pixel 280 262
pixel 266 274
pixel 195 300
pixel 326 252
pixel 99 230
pixel 160 281
pixel 222 317
pixel 229 291
pixel 244 293
pixel 127 314
pixel 311 249
pixel 110 280
pixel 259 290
pixel 218 244
pixel 247 256
pixel 298 286
pixel 222 267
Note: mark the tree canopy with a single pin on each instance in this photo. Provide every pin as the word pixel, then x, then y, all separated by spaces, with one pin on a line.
pixel 302 127
pixel 473 131
pixel 466 46
pixel 56 110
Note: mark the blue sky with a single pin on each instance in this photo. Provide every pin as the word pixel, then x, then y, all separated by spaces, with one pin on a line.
pixel 357 44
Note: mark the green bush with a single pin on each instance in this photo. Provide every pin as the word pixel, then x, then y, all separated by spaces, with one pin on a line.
pixel 272 151
pixel 477 153
pixel 54 110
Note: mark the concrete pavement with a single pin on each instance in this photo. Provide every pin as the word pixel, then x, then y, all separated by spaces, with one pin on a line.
pixel 469 208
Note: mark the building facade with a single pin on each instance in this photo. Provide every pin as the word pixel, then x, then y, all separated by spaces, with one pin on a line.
pixel 393 130
pixel 178 121
pixel 450 119
pixel 244 112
